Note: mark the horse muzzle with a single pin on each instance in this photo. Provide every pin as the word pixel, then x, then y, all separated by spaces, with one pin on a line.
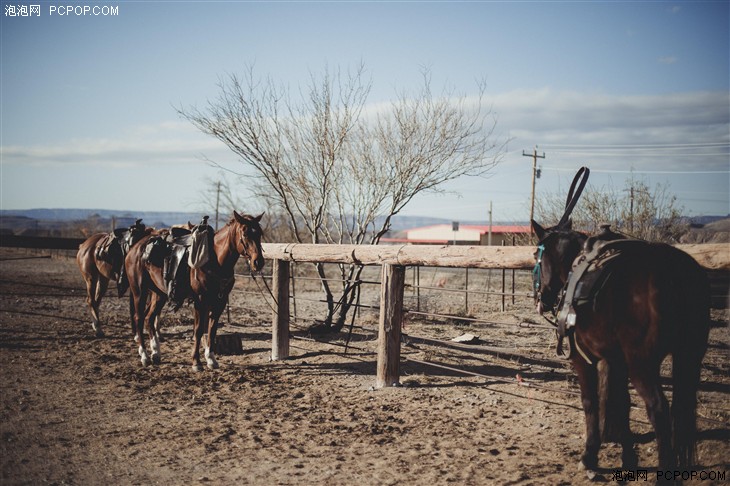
pixel 256 264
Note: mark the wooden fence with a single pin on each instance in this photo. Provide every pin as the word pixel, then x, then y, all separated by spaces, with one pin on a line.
pixel 393 260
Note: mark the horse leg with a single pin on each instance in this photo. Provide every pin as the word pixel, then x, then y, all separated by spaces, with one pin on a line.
pixel 158 332
pixel 201 313
pixel 212 330
pixel 92 283
pixel 156 304
pixel 101 286
pixel 615 407
pixel 645 378
pixel 132 317
pixel 588 381
pixel 689 350
pixel 686 367
pixel 140 304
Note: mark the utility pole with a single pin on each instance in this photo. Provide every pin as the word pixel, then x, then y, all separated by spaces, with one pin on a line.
pixel 217 202
pixel 631 220
pixel 489 236
pixel 534 173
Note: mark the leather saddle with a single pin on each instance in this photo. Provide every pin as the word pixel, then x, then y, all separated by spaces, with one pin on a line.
pixel 113 248
pixel 188 249
pixel 592 269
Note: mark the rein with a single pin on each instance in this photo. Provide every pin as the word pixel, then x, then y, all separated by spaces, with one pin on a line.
pixel 253 276
pixel 572 198
pixel 576 189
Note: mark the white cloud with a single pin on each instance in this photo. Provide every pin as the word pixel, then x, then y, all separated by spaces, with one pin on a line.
pixel 600 122
pixel 168 143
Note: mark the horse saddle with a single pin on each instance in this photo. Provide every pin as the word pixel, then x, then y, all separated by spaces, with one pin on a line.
pixel 592 269
pixel 108 250
pixel 189 249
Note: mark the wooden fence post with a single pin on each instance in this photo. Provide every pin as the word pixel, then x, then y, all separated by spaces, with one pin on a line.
pixel 389 326
pixel 280 317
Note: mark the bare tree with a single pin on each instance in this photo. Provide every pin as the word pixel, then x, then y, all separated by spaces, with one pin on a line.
pixel 636 210
pixel 338 171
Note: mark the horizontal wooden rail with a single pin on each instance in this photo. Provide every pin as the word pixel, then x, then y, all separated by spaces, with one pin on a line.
pixel 40 242
pixel 714 256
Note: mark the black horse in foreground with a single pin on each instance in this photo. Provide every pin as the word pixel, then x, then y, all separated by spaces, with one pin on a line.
pixel 649 301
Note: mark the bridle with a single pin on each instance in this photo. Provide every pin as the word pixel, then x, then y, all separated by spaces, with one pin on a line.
pixel 244 240
pixel 576 189
pixel 537 272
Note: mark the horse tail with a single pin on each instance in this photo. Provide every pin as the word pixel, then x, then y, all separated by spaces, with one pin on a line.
pixel 686 366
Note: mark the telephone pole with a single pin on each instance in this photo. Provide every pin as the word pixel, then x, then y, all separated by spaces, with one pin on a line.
pixel 534 173
pixel 217 202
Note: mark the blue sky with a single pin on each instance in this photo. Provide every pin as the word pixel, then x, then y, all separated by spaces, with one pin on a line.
pixel 88 102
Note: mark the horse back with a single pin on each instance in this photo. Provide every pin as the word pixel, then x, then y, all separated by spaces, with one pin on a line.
pixel 86 256
pixel 655 299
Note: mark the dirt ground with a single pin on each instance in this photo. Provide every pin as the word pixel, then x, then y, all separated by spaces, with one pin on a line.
pixel 76 409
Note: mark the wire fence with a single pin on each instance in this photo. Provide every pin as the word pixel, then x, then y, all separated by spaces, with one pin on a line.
pixel 458 294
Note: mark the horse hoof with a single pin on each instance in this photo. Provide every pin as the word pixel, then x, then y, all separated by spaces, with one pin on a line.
pixel 156 359
pixel 212 365
pixel 197 367
pixel 629 462
pixel 588 462
pixel 145 361
pixel 590 471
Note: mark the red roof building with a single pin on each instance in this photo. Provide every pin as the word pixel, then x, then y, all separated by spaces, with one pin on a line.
pixel 444 234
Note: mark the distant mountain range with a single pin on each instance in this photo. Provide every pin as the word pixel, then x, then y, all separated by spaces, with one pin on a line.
pixel 12 219
pixel 8 217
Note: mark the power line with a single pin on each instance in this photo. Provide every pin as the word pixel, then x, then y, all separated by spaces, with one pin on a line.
pixel 639 146
pixel 639 171
pixel 627 154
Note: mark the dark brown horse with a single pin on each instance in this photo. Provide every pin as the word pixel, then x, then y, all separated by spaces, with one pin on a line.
pixel 208 287
pixel 655 303
pixel 98 270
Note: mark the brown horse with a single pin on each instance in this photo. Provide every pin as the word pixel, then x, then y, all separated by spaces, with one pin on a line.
pixel 97 271
pixel 655 302
pixel 208 287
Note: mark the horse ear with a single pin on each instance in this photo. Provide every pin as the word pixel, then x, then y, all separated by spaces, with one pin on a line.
pixel 258 218
pixel 539 230
pixel 238 217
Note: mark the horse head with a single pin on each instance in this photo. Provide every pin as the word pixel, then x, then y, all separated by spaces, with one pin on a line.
pixel 248 234
pixel 557 248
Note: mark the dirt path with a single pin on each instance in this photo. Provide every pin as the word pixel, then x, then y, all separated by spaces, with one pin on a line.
pixel 80 410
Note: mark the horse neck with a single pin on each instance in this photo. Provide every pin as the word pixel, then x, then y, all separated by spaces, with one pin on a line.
pixel 226 249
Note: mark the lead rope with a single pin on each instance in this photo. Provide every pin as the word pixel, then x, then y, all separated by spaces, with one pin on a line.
pixel 253 276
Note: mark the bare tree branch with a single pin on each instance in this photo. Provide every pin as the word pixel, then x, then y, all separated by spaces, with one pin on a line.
pixel 338 172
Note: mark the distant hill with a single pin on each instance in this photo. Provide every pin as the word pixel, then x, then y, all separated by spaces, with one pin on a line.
pixel 711 231
pixel 72 222
pixel 57 214
pixel 31 217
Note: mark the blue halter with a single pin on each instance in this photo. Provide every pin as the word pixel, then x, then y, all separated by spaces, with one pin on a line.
pixel 537 270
